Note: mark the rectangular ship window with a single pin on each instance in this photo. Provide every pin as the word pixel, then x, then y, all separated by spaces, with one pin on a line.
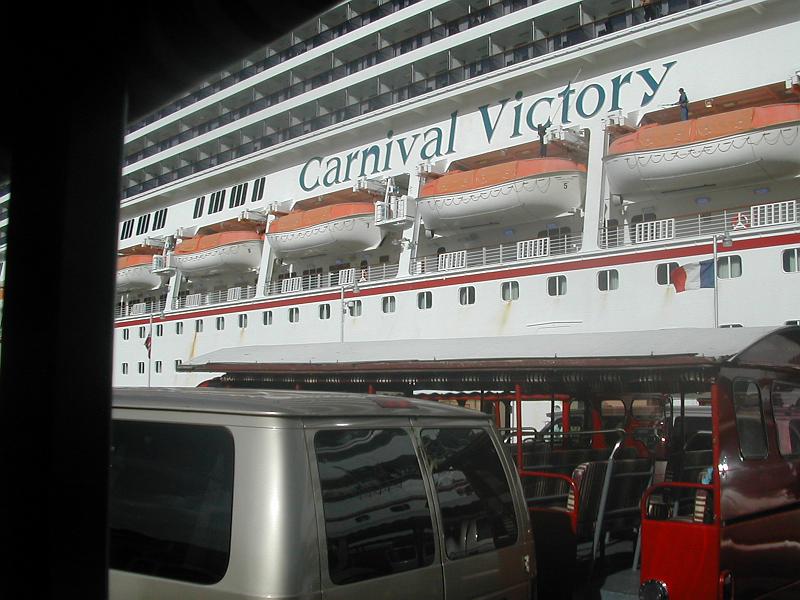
pixel 791 260
pixel 424 300
pixel 608 280
pixel 388 304
pixel 664 272
pixel 729 267
pixel 466 295
pixel 509 290
pixel 557 285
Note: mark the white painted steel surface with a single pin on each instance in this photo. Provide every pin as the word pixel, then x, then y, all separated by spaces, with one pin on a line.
pixel 752 156
pixel 342 235
pixel 240 256
pixel 508 203
pixel 140 277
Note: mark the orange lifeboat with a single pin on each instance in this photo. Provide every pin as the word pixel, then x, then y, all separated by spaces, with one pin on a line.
pixel 225 251
pixel 743 145
pixel 135 272
pixel 342 227
pixel 510 192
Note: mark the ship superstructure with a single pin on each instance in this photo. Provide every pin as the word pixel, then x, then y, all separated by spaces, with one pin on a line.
pixel 434 170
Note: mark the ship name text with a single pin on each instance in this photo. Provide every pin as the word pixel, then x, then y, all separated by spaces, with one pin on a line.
pixel 439 141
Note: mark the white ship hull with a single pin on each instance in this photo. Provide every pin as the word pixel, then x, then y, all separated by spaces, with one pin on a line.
pixel 467 246
pixel 523 200
pixel 351 234
pixel 751 156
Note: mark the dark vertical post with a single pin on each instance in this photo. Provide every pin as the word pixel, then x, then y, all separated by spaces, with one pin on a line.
pixel 55 370
pixel 518 397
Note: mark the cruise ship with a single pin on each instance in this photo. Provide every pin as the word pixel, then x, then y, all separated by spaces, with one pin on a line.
pixel 451 170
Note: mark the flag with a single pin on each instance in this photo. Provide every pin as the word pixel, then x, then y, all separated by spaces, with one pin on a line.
pixel 693 276
pixel 148 342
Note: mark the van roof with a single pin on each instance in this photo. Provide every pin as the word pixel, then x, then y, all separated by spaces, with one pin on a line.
pixel 283 403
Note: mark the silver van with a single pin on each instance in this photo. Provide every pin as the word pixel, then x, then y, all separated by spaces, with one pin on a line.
pixel 218 493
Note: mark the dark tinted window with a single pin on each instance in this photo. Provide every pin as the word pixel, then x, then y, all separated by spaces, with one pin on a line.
pixel 170 500
pixel 749 419
pixel 377 519
pixel 474 495
pixel 786 409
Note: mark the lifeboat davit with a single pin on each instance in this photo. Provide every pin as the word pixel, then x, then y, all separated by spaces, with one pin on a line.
pixel 135 272
pixel 735 147
pixel 511 192
pixel 227 251
pixel 341 228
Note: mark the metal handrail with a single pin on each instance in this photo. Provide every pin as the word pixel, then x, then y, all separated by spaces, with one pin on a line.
pixel 573 514
pixel 699 225
pixel 709 487
pixel 497 255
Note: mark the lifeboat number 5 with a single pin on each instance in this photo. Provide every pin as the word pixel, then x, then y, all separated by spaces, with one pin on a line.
pixel 740 221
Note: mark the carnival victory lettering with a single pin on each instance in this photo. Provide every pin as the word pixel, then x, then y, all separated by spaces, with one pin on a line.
pixel 585 102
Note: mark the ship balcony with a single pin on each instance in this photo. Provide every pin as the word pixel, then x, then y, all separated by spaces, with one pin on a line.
pixel 211 156
pixel 333 280
pixel 502 254
pixel 737 220
pixel 232 294
pixel 139 309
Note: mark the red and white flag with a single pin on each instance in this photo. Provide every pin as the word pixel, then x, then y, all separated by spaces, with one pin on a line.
pixel 148 342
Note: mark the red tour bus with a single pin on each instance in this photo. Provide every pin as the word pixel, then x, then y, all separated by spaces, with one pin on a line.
pixel 698 482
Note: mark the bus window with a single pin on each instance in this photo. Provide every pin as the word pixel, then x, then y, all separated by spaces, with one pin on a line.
pixel 648 409
pixel 749 419
pixel 786 409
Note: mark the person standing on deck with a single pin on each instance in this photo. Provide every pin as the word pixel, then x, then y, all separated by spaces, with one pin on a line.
pixel 683 102
pixel 541 129
pixel 649 7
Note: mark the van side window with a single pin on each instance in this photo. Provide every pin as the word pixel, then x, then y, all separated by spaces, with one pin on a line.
pixel 377 520
pixel 170 504
pixel 749 419
pixel 474 496
pixel 786 410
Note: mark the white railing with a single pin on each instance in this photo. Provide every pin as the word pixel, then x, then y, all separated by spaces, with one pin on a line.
pixel 764 215
pixel 291 284
pixel 234 294
pixel 392 211
pixel 138 309
pixel 654 231
pixel 320 281
pixel 777 213
pixel 452 260
pixel 193 300
pixel 533 248
pixel 503 253
pixel 346 277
